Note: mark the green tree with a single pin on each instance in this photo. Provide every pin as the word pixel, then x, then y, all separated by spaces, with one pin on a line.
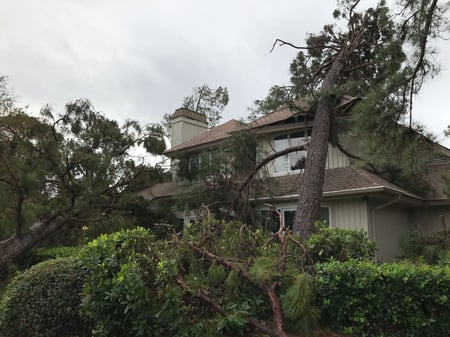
pixel 205 100
pixel 63 171
pixel 380 58
pixel 208 101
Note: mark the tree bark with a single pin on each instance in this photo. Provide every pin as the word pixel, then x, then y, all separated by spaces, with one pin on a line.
pixel 311 188
pixel 13 247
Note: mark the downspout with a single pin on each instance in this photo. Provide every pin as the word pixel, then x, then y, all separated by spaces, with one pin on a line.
pixel 397 199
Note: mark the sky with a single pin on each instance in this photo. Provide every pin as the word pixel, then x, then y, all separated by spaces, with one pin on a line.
pixel 138 58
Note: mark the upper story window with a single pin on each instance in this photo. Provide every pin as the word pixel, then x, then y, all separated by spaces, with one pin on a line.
pixel 291 161
pixel 205 164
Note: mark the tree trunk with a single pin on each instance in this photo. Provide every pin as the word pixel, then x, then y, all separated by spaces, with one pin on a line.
pixel 310 194
pixel 13 247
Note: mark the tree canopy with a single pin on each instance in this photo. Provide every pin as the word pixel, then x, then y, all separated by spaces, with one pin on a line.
pixel 380 58
pixel 204 100
pixel 58 170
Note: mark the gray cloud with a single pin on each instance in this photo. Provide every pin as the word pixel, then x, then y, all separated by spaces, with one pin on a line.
pixel 139 58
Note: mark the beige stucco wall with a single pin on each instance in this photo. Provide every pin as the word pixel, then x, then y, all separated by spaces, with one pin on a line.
pixel 184 129
pixel 430 219
pixel 388 226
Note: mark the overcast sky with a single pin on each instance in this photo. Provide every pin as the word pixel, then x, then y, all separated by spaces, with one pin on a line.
pixel 139 58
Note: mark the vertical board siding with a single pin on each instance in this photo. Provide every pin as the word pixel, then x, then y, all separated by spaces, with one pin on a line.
pixel 349 214
pixel 336 158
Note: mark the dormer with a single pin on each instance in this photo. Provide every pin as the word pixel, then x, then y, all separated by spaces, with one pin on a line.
pixel 186 124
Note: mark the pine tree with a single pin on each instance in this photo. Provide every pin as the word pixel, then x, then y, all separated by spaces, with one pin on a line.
pixel 62 170
pixel 380 58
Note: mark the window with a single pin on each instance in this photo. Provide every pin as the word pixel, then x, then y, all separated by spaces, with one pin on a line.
pixel 271 220
pixel 194 164
pixel 205 164
pixel 291 161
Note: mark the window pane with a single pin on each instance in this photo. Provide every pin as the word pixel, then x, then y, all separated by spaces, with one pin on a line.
pixel 289 218
pixel 281 164
pixel 194 163
pixel 297 160
pixel 270 220
pixel 325 215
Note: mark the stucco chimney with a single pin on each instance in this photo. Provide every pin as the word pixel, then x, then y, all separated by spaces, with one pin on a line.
pixel 186 124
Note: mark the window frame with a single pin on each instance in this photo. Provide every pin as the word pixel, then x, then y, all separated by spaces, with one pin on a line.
pixel 283 210
pixel 284 165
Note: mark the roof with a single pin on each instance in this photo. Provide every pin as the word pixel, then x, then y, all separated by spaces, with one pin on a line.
pixel 220 132
pixel 435 178
pixel 274 117
pixel 160 190
pixel 338 181
pixel 225 130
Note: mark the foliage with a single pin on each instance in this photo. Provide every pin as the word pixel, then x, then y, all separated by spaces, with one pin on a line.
pixel 257 257
pixel 44 301
pixel 130 288
pixel 215 180
pixel 432 249
pixel 116 295
pixel 136 284
pixel 60 171
pixel 381 60
pixel 41 254
pixel 277 97
pixel 339 244
pixel 207 101
pixel 366 299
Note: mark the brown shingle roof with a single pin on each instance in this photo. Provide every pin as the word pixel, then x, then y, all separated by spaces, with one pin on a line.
pixel 225 130
pixel 338 181
pixel 220 132
pixel 274 117
pixel 160 190
pixel 434 177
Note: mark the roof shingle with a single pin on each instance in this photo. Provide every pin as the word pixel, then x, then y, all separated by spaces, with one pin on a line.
pixel 220 132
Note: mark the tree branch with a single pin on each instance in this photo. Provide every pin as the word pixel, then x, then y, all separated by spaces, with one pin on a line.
pixel 261 164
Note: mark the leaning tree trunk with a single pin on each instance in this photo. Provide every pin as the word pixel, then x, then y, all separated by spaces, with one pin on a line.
pixel 13 247
pixel 310 195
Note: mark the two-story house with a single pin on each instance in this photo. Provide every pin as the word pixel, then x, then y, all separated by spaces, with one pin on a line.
pixel 353 197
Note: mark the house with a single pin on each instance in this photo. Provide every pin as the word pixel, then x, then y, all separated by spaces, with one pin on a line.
pixel 353 197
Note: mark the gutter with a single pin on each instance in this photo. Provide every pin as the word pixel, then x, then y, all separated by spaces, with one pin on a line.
pixel 388 203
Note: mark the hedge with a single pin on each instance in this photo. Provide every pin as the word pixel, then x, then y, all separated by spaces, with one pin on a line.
pixel 368 299
pixel 44 301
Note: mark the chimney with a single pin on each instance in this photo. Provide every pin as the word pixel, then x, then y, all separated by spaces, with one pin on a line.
pixel 186 124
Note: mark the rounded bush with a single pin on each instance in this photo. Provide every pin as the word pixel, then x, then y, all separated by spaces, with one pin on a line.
pixel 44 301
pixel 339 245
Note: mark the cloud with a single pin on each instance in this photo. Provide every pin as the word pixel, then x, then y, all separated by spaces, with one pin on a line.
pixel 139 58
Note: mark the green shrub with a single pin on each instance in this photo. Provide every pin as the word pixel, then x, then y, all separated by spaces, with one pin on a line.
pixel 339 244
pixel 131 287
pixel 116 295
pixel 44 302
pixel 366 299
pixel 431 249
pixel 42 254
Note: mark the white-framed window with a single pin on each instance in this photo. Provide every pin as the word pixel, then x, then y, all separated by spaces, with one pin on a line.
pixel 208 163
pixel 270 220
pixel 292 161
